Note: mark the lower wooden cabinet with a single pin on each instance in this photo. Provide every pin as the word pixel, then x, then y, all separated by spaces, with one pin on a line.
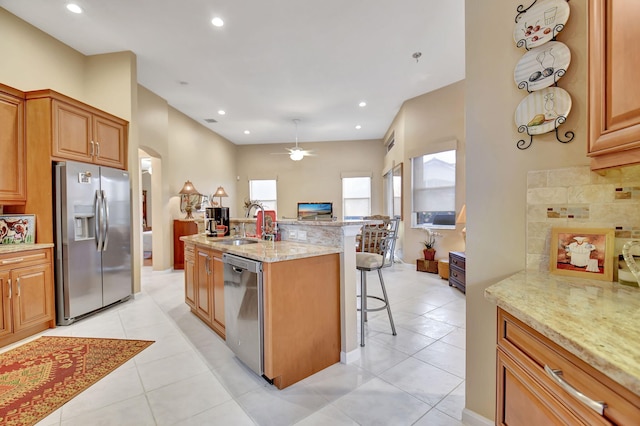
pixel 26 287
pixel 189 275
pixel 457 270
pixel 204 285
pixel 528 394
pixel 181 228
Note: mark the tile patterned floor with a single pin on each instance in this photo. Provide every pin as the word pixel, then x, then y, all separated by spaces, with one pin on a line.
pixel 189 377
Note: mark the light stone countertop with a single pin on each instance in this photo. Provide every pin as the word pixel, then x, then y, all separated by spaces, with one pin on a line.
pixel 265 251
pixel 598 321
pixel 16 248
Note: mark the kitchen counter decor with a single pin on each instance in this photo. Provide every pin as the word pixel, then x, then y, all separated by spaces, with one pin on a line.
pixel 17 229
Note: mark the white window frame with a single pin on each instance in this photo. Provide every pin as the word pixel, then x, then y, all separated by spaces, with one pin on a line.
pixel 442 188
pixel 346 179
pixel 256 194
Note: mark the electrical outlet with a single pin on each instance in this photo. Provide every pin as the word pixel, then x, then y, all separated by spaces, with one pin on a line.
pixel 293 234
pixel 302 235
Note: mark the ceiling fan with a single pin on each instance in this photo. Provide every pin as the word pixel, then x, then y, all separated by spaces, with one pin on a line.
pixel 296 153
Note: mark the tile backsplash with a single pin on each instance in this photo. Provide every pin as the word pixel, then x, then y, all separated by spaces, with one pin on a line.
pixel 578 197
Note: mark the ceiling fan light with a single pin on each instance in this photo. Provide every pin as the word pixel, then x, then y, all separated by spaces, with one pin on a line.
pixel 296 155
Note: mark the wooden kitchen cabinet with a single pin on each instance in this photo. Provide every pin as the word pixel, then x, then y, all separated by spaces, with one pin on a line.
pixel 527 394
pixel 80 132
pixel 614 87
pixel 301 317
pixel 13 175
pixel 26 286
pixel 205 295
pixel 189 275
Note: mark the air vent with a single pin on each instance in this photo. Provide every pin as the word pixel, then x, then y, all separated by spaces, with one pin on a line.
pixel 391 141
pixel 210 120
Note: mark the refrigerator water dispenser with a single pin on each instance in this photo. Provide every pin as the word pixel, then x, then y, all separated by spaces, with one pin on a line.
pixel 84 226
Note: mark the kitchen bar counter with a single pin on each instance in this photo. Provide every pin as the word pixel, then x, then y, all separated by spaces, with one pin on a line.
pixel 16 248
pixel 597 321
pixel 264 251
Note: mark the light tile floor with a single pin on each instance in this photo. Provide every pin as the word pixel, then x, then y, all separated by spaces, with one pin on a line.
pixel 189 377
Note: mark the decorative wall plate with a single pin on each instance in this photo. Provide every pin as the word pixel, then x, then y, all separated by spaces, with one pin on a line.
pixel 541 23
pixel 543 66
pixel 542 111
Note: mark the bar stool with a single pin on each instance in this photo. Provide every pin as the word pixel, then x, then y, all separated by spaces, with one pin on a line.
pixel 375 243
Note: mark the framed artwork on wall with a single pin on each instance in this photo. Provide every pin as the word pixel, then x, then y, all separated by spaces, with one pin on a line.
pixel 582 252
pixel 17 229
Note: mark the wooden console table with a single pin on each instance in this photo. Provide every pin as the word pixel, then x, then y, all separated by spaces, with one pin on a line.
pixel 181 228
pixel 457 278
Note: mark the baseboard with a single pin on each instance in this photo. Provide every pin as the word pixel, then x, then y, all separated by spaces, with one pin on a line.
pixel 349 357
pixel 471 418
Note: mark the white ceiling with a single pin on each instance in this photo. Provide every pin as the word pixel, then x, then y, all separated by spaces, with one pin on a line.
pixel 273 61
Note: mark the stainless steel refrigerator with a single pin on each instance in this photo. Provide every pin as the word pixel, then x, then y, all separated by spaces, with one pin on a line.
pixel 92 239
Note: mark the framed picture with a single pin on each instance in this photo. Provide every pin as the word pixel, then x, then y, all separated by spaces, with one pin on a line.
pixel 582 252
pixel 17 229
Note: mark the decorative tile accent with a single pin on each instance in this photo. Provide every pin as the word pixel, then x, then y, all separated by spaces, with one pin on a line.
pixel 568 212
pixel 576 196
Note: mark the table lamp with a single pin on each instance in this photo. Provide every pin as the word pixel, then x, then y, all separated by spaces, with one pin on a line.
pixel 462 219
pixel 220 193
pixel 187 192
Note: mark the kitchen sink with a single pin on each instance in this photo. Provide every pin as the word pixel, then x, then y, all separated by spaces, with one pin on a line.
pixel 238 241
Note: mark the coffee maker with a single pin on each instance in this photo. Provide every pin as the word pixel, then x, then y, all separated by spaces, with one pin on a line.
pixel 216 216
pixel 210 222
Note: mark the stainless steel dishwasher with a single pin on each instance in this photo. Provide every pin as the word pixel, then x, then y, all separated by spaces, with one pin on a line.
pixel 243 310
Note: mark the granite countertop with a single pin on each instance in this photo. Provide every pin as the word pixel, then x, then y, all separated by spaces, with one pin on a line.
pixel 16 248
pixel 598 321
pixel 265 251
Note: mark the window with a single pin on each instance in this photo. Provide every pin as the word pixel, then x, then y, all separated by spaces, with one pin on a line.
pixel 356 197
pixel 264 192
pixel 393 192
pixel 433 190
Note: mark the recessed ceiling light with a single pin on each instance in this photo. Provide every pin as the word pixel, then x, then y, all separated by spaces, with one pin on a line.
pixel 71 7
pixel 217 22
pixel 246 132
pixel 358 127
pixel 222 112
pixel 362 104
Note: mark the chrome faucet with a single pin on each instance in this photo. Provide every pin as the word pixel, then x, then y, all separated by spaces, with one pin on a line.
pixel 261 207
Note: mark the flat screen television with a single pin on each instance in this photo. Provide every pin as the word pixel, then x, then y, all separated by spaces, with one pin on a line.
pixel 315 211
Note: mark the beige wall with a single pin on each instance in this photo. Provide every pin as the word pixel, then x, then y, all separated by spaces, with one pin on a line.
pixel 425 124
pixel 496 171
pixel 316 178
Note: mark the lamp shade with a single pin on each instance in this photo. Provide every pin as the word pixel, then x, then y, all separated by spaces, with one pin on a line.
pixel 188 189
pixel 220 192
pixel 462 217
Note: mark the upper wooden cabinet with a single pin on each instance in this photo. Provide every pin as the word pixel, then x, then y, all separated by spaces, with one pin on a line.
pixel 614 87
pixel 13 188
pixel 80 132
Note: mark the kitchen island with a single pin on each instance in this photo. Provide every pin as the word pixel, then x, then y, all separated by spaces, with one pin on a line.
pixel 300 300
pixel 588 329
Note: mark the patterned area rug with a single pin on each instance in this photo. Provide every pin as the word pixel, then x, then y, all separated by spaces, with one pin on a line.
pixel 40 376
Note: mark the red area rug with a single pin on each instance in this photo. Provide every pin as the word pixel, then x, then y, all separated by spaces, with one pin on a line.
pixel 40 376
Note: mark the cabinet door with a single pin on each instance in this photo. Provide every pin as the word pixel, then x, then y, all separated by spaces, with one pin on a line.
pixel 71 133
pixel 204 282
pixel 5 316
pixel 614 88
pixel 218 291
pixel 189 276
pixel 523 401
pixel 32 290
pixel 12 146
pixel 109 138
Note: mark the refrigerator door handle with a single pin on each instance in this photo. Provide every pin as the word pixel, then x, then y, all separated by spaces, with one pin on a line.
pixel 105 206
pixel 98 220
